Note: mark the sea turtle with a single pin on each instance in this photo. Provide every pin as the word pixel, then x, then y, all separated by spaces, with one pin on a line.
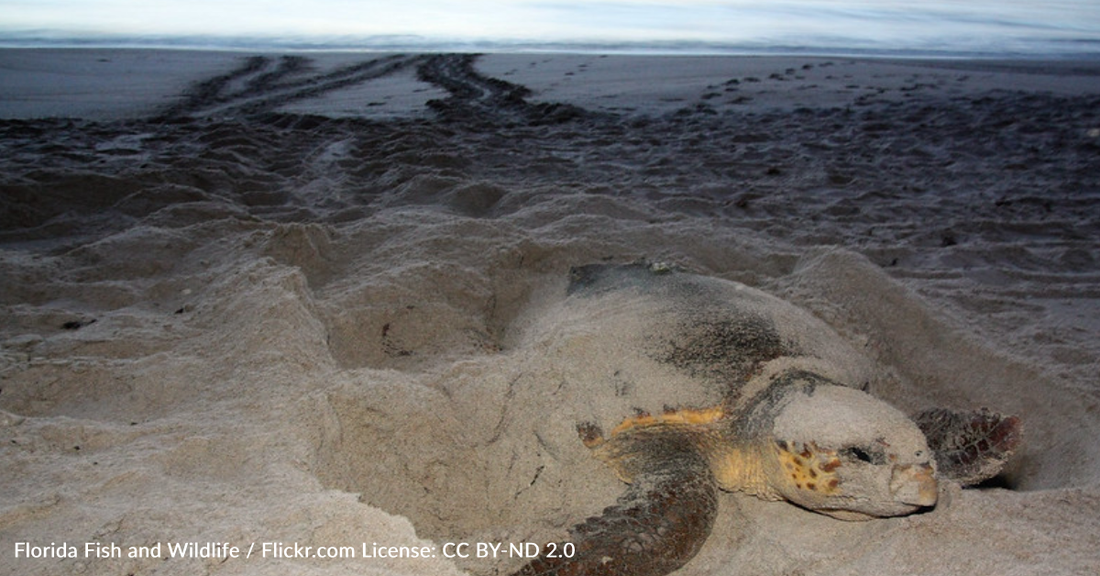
pixel 788 424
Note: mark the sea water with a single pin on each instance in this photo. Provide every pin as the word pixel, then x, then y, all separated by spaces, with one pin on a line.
pixel 1060 28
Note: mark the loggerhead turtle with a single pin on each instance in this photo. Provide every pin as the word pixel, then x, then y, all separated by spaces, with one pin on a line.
pixel 787 426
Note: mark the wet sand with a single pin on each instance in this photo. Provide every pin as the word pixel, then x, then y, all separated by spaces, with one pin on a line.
pixel 267 298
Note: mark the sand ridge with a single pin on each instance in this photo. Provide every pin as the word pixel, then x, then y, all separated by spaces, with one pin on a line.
pixel 290 298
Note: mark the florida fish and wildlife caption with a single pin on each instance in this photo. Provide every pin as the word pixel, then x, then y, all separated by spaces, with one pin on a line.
pixel 226 550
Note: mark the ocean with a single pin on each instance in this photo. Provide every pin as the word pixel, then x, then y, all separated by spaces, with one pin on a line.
pixel 975 28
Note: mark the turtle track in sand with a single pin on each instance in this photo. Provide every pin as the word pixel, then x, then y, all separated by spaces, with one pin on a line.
pixel 261 84
pixel 268 85
pixel 480 97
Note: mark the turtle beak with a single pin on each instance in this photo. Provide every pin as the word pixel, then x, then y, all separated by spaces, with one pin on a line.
pixel 914 484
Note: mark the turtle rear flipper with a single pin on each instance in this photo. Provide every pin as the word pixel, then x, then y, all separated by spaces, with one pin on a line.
pixel 970 446
pixel 656 527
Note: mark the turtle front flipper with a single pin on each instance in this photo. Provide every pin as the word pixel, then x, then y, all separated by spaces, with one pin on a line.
pixel 657 526
pixel 970 446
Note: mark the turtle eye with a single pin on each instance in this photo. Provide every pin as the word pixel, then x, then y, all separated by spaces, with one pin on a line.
pixel 856 453
pixel 863 454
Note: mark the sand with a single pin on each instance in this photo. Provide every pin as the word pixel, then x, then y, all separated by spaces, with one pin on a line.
pixel 256 299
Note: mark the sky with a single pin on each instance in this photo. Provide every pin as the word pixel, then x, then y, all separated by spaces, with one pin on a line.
pixel 907 23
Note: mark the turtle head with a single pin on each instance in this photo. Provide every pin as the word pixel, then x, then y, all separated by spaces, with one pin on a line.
pixel 841 452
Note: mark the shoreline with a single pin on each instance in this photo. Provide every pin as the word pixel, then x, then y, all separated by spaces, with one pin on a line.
pixel 670 48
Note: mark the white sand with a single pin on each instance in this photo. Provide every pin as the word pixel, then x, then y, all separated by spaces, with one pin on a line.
pixel 255 327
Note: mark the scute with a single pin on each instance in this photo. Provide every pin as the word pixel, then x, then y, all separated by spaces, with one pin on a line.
pixel 726 338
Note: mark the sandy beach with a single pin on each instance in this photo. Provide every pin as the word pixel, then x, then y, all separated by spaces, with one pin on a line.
pixel 278 301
